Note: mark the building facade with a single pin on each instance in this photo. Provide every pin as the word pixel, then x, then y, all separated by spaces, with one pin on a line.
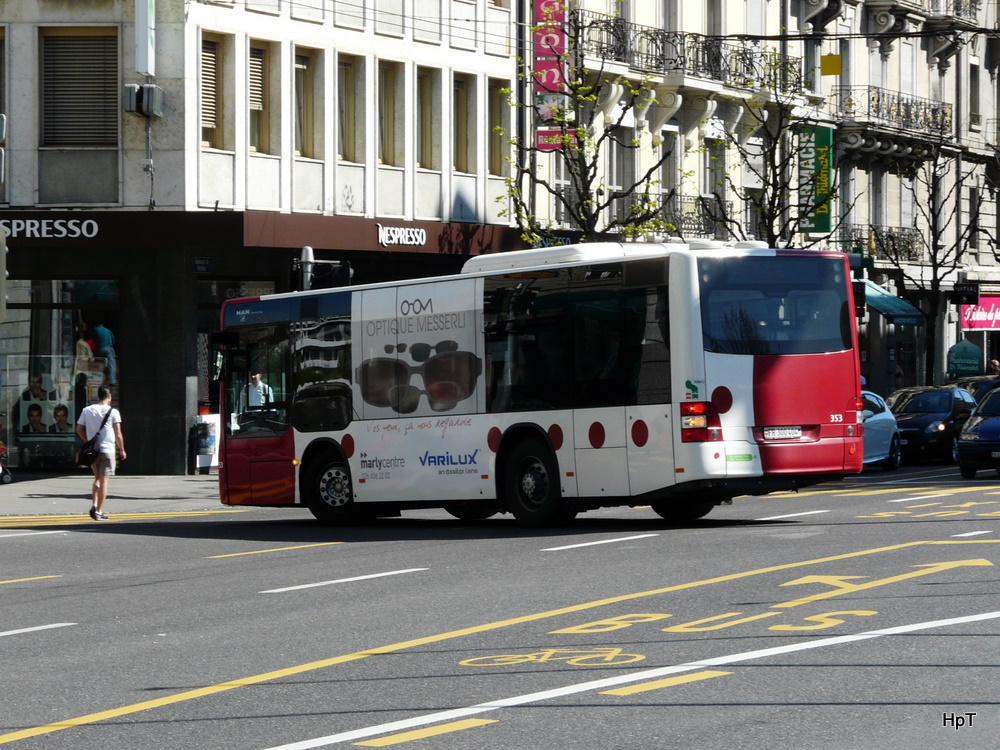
pixel 161 156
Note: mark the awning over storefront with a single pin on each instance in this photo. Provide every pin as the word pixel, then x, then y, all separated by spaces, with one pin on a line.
pixel 892 308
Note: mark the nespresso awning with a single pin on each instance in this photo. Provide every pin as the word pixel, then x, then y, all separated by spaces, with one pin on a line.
pixel 891 307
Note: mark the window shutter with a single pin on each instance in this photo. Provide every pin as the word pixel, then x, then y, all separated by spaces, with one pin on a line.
pixel 209 84
pixel 80 91
pixel 256 78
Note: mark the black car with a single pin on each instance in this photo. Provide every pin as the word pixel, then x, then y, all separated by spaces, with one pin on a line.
pixel 977 385
pixel 979 441
pixel 930 419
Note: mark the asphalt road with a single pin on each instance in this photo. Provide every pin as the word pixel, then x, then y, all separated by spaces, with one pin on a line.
pixel 864 614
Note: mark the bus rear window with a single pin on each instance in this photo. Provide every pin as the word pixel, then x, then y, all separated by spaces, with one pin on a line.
pixel 774 305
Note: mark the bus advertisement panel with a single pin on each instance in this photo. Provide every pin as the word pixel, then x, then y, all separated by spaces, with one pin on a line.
pixel 544 383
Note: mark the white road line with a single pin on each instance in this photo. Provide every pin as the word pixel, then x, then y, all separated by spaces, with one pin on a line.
pixel 603 541
pixel 342 580
pixel 33 533
pixel 972 533
pixel 793 515
pixel 39 627
pixel 649 674
pixel 921 497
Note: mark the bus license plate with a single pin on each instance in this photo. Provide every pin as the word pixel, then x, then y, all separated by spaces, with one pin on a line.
pixel 782 433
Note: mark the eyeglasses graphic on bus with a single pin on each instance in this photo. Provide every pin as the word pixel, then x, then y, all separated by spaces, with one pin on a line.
pixel 449 377
pixel 420 352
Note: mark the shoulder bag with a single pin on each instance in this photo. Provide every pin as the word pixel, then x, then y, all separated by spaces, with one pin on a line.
pixel 91 449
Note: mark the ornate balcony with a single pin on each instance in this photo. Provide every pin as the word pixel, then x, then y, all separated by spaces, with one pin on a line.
pixel 878 106
pixel 648 49
pixel 894 244
pixel 697 216
pixel 954 11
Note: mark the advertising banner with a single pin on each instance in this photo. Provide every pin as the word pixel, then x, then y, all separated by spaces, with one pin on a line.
pixel 982 317
pixel 815 179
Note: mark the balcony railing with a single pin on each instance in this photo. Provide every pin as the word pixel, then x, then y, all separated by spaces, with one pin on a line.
pixel 966 10
pixel 896 244
pixel 646 48
pixel 880 106
pixel 690 215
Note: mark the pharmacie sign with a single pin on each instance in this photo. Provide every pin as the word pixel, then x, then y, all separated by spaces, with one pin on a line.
pixel 815 179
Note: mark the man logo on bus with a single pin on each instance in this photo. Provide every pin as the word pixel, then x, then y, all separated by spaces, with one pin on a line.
pixel 692 390
pixel 416 307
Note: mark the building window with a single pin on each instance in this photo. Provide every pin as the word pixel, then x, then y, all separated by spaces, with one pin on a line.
pixel 428 118
pixel 389 139
pixel 79 87
pixel 975 115
pixel 349 112
pixel 975 204
pixel 713 169
pixel 499 125
pixel 211 95
pixel 305 104
pixel 258 96
pixel 3 74
pixel 621 172
pixel 463 123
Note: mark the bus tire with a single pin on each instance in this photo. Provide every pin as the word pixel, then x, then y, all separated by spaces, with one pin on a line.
pixel 681 511
pixel 530 484
pixel 472 511
pixel 327 488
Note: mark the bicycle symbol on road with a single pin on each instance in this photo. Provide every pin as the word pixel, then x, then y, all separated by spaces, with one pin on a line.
pixel 590 658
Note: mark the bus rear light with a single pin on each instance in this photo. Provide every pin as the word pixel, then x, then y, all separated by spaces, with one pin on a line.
pixel 699 423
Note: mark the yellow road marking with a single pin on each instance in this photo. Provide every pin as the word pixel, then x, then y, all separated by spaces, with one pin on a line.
pixel 276 549
pixel 892 490
pixel 36 578
pixel 438 638
pixel 642 687
pixel 19 522
pixel 842 587
pixel 419 734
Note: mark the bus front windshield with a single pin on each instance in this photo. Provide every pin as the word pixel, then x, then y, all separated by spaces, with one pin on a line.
pixel 784 304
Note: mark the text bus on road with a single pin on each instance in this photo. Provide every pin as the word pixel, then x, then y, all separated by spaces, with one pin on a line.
pixel 548 382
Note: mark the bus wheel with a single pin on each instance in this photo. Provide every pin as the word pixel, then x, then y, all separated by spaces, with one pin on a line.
pixel 531 484
pixel 471 511
pixel 680 511
pixel 327 488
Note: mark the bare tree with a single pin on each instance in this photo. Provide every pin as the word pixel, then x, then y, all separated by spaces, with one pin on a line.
pixel 948 194
pixel 778 174
pixel 580 127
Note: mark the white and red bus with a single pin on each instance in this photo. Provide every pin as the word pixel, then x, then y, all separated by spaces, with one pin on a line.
pixel 548 382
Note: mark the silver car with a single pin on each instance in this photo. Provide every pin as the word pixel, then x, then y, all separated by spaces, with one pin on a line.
pixel 881 435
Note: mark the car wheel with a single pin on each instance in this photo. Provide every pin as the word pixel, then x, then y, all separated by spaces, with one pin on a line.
pixel 472 511
pixel 895 455
pixel 680 511
pixel 531 484
pixel 327 489
pixel 967 472
pixel 951 454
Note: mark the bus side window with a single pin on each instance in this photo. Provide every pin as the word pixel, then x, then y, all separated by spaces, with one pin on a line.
pixel 653 377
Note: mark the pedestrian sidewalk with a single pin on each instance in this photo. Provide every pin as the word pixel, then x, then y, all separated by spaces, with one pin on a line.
pixel 39 494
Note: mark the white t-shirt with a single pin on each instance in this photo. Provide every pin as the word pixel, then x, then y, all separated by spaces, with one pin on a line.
pixel 91 418
pixel 255 395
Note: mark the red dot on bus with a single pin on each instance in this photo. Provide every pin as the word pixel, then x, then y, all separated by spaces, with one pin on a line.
pixel 556 436
pixel 722 399
pixel 640 433
pixel 596 434
pixel 493 438
pixel 347 444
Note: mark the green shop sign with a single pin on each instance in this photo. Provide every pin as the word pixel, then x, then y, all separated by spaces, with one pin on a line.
pixel 815 179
